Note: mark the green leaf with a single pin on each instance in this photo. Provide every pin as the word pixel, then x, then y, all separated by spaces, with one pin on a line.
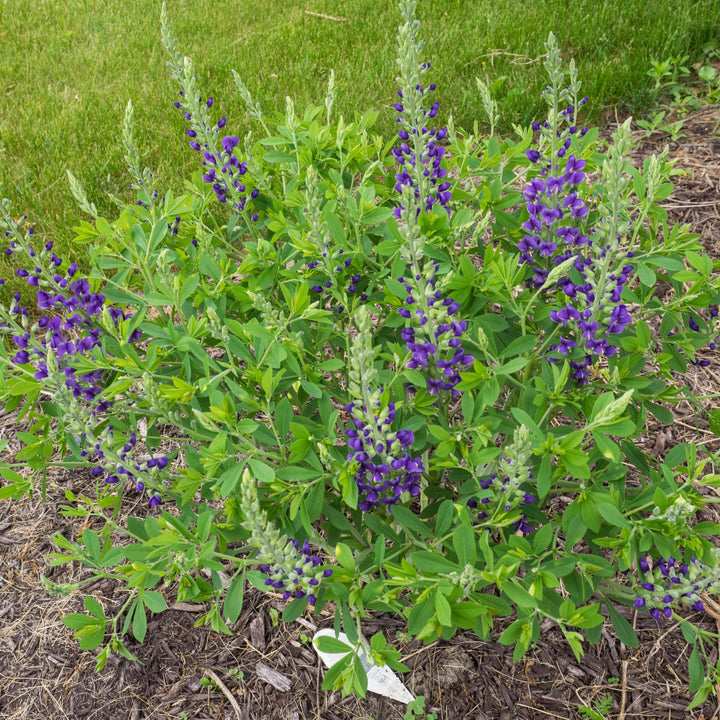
pixel 646 275
pixel 294 609
pixel 263 472
pixel 464 544
pixel 611 514
pixel 678 455
pixel 257 579
pixel 439 432
pixel 544 477
pixel 311 388
pixel 156 299
pixel 209 267
pixel 232 606
pixel 512 633
pixel 421 613
pixel 277 156
pixel 154 601
pixel 706 527
pixel 94 607
pixel 664 415
pixel 542 538
pixel 696 670
pixel 524 419
pixel 623 629
pixel 379 551
pixel 620 428
pixel 713 420
pixel 575 530
pixel 77 621
pixel 91 636
pixel 442 610
pixel 576 462
pixel 444 516
pixel 465 614
pixel 283 417
pixel 91 542
pixel 349 625
pixel 522 344
pixel 189 287
pixel 607 447
pixel 315 501
pixel 701 694
pixel 429 562
pixel 344 555
pixel 686 276
pixel 519 595
pixel 328 644
pixel 204 523
pixel 334 673
pixel 411 521
pixel 688 632
pixel 229 480
pixel 139 625
pixel 512 366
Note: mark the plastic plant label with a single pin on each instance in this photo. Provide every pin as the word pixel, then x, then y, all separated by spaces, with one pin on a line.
pixel 381 679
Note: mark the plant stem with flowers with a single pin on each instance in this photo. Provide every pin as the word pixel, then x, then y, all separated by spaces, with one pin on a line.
pixel 409 380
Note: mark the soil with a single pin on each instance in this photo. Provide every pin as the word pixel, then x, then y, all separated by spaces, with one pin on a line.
pixel 267 670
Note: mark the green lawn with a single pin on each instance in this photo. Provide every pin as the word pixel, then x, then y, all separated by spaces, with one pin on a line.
pixel 67 70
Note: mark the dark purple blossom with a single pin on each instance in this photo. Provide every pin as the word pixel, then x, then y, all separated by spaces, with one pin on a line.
pixel 383 468
pixel 420 155
pixel 295 576
pixel 665 584
pixel 501 494
pixel 436 343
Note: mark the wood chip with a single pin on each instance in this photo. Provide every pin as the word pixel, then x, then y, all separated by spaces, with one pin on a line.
pixel 273 677
pixel 187 607
pixel 257 632
pixel 306 623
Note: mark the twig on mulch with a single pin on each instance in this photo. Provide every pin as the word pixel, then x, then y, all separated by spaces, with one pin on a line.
pixel 223 688
pixel 623 694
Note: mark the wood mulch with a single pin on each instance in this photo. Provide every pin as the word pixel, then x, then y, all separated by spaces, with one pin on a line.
pixel 266 670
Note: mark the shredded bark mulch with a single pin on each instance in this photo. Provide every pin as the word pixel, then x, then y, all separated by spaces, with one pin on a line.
pixel 269 671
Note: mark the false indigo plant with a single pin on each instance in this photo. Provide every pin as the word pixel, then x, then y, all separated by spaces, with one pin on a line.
pixel 368 380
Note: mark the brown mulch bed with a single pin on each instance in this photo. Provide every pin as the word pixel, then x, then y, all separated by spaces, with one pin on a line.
pixel 43 674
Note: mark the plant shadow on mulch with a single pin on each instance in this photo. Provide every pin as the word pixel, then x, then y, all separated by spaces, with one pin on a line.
pixel 270 671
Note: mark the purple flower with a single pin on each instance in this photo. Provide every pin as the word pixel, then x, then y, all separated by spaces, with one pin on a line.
pixel 429 161
pixel 295 575
pixel 383 469
pixel 437 348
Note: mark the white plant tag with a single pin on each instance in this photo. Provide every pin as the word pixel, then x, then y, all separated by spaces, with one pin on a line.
pixel 381 679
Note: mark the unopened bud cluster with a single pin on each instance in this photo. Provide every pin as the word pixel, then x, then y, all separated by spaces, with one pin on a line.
pixel 290 567
pixel 668 582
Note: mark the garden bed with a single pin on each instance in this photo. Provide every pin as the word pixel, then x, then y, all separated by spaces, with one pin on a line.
pixel 197 674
